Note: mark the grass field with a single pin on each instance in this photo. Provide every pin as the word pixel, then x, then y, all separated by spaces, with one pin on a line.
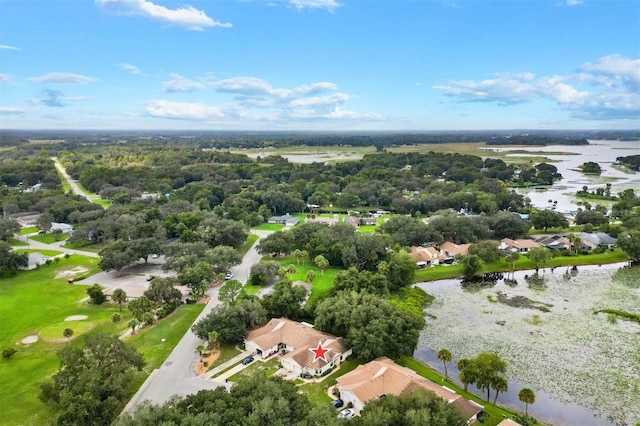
pixel 86 246
pixel 14 242
pixel 268 227
pixel 321 284
pixel 49 238
pixel 36 302
pixel 30 230
pixel 42 252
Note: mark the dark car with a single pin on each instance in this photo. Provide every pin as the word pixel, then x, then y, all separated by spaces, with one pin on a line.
pixel 248 360
pixel 337 403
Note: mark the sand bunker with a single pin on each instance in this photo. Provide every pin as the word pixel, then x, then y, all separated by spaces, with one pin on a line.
pixel 71 272
pixel 76 318
pixel 29 339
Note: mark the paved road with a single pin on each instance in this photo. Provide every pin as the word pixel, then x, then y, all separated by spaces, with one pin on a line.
pixel 35 245
pixel 176 376
pixel 74 185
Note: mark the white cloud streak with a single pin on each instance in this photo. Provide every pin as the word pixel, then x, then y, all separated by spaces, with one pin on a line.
pixel 6 47
pixel 11 111
pixel 185 16
pixel 185 111
pixel 606 88
pixel 329 5
pixel 6 79
pixel 180 84
pixel 131 68
pixel 63 78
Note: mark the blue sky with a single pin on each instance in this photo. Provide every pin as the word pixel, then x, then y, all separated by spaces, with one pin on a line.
pixel 320 64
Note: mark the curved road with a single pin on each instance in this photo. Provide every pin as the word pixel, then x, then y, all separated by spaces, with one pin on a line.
pixel 176 376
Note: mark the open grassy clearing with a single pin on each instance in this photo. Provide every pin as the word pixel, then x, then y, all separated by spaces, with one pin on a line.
pixel 268 227
pixel 227 352
pixel 36 302
pixel 14 242
pixel 42 252
pixel 86 246
pixel 29 230
pixel 317 392
pixel 266 368
pixel 49 238
pixel 251 239
pixel 321 284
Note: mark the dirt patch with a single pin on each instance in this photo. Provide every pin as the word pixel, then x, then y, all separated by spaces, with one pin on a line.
pixel 71 272
pixel 76 318
pixel 30 339
pixel 210 359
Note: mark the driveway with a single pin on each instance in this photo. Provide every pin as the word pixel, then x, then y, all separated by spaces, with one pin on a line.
pixel 177 375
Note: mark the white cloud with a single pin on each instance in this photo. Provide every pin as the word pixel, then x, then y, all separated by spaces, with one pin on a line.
pixel 4 46
pixel 131 68
pixel 329 5
pixel 574 2
pixel 63 78
pixel 185 110
pixel 606 88
pixel 6 79
pixel 181 84
pixel 185 16
pixel 11 111
pixel 56 99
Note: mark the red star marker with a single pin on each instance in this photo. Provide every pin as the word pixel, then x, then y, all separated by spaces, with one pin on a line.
pixel 319 353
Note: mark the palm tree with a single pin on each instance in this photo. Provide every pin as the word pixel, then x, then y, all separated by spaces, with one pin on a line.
pixel 321 262
pixel 499 384
pixel 133 323
pixel 304 255
pixel 298 254
pixel 466 375
pixel 119 296
pixel 310 276
pixel 291 270
pixel 383 267
pixel 200 349
pixel 512 258
pixel 116 318
pixel 527 396
pixel 444 355
pixel 67 333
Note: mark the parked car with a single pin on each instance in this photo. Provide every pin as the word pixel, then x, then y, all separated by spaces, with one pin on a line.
pixel 150 277
pixel 337 403
pixel 248 360
pixel 347 413
pixel 229 275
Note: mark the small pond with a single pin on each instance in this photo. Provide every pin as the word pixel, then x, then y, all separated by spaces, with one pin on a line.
pixel 583 367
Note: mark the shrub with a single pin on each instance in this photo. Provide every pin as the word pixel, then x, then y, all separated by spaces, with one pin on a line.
pixel 67 255
pixel 8 352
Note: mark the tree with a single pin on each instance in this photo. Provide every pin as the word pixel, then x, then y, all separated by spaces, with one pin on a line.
pixel 591 167
pixel 285 300
pixel 96 294
pixel 361 281
pixel 68 333
pixel 57 233
pixel 139 307
pixel 444 355
pixel 508 225
pixel 277 243
pixel 116 318
pixel 92 384
pixel 574 241
pixel 230 291
pixel 132 324
pixel 297 253
pixel 116 256
pixel 263 273
pixel 527 396
pixel 406 231
pixel 471 266
pixel 44 221
pixel 499 384
pixel 223 257
pixel 548 219
pixel 594 217
pixel 629 242
pixel 512 258
pixel 487 251
pixel 402 269
pixel 231 322
pixel 119 296
pixel 416 407
pixel 321 262
pixel 468 372
pixel 162 292
pixel 538 255
pixel 8 227
pixel 310 276
pixel 489 370
pixel 10 260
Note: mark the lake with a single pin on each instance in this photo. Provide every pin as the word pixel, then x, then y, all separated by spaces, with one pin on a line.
pixel 600 151
pixel 583 367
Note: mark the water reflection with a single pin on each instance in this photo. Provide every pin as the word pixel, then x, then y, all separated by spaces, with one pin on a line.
pixel 583 368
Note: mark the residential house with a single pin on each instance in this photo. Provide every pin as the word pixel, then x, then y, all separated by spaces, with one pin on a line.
pixel 286 220
pixel 599 239
pixel 358 221
pixel 383 377
pixel 520 245
pixel 297 341
pixel 452 249
pixel 427 256
pixel 65 228
pixel 555 242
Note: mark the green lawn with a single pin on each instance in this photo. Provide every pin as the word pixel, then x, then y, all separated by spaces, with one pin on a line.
pixel 30 230
pixel 455 271
pixel 172 329
pixel 251 239
pixel 63 181
pixel 14 242
pixel 49 238
pixel 321 284
pixel 268 227
pixel 227 352
pixel 35 302
pixel 86 246
pixel 317 392
pixel 367 229
pixel 42 252
pixel 267 368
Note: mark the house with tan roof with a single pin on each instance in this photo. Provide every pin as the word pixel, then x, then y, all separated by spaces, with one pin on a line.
pixel 307 351
pixel 427 256
pixel 519 245
pixel 453 249
pixel 383 377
